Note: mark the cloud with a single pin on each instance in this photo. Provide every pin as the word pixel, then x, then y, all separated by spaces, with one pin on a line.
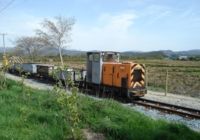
pixel 119 22
pixel 111 32
pixel 17 26
pixel 154 13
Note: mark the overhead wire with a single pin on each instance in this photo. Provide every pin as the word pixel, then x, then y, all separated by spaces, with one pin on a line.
pixel 6 6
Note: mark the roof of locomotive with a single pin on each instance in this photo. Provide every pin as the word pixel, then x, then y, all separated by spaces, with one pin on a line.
pixel 107 52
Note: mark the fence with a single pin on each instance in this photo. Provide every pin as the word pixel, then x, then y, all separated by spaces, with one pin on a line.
pixel 176 81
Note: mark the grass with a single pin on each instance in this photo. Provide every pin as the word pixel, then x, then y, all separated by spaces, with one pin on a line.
pixel 30 117
pixel 38 115
pixel 118 122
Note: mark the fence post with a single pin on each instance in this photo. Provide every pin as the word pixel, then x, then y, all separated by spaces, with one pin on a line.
pixel 166 83
pixel 146 77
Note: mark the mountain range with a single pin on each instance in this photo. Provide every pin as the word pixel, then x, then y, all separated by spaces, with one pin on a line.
pixel 163 53
pixel 150 54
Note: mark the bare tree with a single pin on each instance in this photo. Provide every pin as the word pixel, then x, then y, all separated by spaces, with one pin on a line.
pixel 56 33
pixel 29 45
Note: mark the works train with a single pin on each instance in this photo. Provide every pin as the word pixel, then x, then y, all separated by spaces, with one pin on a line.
pixel 104 74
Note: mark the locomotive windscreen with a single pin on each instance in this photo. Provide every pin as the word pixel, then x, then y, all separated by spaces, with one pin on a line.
pixel 137 75
pixel 111 57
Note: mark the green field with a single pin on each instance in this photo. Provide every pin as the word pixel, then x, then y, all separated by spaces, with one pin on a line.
pixel 35 114
pixel 183 76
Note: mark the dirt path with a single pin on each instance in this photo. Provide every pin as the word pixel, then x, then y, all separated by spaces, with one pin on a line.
pixel 31 82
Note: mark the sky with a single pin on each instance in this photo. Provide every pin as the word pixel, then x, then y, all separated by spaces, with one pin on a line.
pixel 116 25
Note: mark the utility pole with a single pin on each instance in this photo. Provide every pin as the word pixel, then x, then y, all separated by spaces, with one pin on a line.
pixel 4 46
pixel 5 61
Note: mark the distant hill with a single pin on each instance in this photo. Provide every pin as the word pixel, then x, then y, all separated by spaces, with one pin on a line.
pixel 161 54
pixel 189 52
pixel 50 51
pixel 152 54
pixel 54 51
pixel 8 49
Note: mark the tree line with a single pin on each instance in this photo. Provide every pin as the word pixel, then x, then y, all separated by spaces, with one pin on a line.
pixel 52 34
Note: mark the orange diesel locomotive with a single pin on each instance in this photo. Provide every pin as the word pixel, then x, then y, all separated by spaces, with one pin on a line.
pixel 105 74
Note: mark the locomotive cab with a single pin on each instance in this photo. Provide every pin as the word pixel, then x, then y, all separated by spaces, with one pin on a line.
pixel 95 61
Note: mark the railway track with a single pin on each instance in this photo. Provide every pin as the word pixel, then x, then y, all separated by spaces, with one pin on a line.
pixel 169 108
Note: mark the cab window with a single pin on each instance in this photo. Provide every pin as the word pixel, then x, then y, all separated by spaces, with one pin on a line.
pixel 110 58
pixel 96 57
pixel 90 57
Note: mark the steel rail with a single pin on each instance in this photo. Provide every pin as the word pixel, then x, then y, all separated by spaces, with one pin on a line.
pixel 175 109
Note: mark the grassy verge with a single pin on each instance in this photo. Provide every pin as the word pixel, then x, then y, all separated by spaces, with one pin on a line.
pixel 118 122
pixel 38 115
pixel 30 116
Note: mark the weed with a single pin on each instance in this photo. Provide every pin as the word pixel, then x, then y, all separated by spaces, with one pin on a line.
pixel 3 83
